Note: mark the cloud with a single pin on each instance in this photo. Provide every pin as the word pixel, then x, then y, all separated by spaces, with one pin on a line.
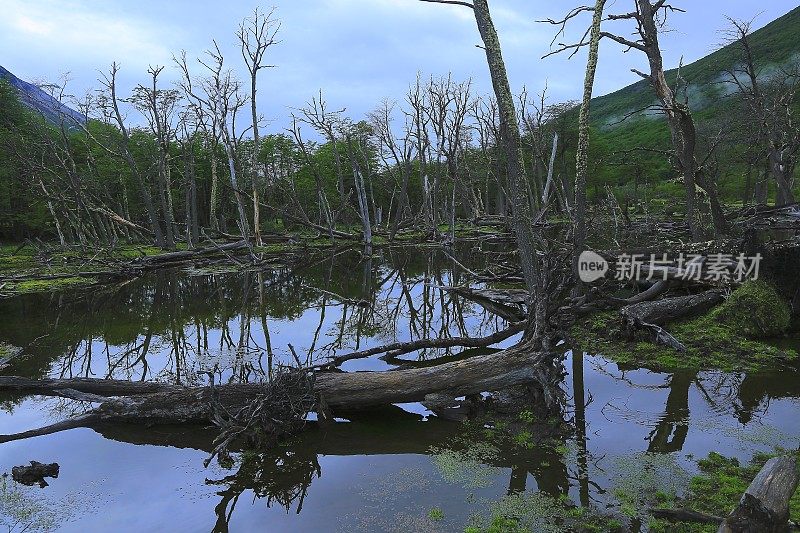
pixel 83 32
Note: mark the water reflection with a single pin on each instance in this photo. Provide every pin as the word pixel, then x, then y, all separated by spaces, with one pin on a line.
pixel 177 326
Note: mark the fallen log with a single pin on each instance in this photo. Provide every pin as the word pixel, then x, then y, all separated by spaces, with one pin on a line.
pixel 651 316
pixel 764 507
pixel 662 312
pixel 685 515
pixel 160 260
pixel 169 404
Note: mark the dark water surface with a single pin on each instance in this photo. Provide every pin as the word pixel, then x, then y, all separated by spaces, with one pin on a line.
pixel 380 472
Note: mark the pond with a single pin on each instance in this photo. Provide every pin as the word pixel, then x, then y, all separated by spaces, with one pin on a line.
pixel 396 469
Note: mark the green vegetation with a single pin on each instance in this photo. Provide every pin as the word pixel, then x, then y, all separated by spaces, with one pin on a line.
pixel 709 343
pixel 436 514
pixel 22 509
pixel 468 466
pixel 716 491
pixel 535 511
pixel 756 310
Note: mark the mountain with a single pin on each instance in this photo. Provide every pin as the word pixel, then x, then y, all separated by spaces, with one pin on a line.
pixel 773 45
pixel 40 101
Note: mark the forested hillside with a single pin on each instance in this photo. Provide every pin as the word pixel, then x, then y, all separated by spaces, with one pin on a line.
pixel 428 160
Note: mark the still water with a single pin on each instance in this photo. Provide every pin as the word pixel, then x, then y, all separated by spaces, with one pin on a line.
pixel 384 471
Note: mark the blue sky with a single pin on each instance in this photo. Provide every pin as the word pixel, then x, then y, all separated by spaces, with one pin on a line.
pixel 358 51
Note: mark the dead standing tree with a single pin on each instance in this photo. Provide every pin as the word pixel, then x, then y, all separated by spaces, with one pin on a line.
pixel 417 99
pixel 224 90
pixel 448 106
pixel 158 107
pixel 523 217
pixel 400 150
pixel 204 107
pixel 256 34
pixel 327 124
pixel 649 18
pixel 109 103
pixel 771 104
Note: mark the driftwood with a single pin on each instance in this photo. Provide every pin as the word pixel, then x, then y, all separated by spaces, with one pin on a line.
pixel 764 507
pixel 154 403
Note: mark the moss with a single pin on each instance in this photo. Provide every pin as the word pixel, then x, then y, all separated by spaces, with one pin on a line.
pixel 49 285
pixel 716 491
pixel 755 309
pixel 710 344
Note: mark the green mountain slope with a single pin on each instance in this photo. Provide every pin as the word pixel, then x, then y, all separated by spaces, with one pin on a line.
pixel 774 44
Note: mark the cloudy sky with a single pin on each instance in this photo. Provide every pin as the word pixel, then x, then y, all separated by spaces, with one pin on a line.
pixel 357 51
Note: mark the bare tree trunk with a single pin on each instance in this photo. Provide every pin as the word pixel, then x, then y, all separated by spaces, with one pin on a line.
pixel 214 189
pixel 256 34
pixel 582 164
pixel 783 175
pixel 52 210
pixel 147 199
pixel 522 221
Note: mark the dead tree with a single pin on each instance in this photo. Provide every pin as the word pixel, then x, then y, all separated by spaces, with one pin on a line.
pixel 157 403
pixel 110 107
pixel 765 504
pixel 158 106
pixel 523 218
pixel 328 123
pixel 771 104
pixel 256 34
pixel 358 166
pixel 417 99
pixel 204 107
pixel 224 90
pixel 648 18
pixel 322 198
pixel 400 150
pixel 582 163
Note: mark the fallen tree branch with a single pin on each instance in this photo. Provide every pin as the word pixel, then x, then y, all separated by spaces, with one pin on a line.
pixel 400 348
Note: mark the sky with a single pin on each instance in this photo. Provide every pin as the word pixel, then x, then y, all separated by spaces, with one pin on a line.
pixel 359 52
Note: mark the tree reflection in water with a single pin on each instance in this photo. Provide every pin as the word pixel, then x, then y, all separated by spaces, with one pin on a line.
pixel 174 326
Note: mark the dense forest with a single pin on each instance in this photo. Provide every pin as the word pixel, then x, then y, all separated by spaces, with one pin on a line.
pixel 169 162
